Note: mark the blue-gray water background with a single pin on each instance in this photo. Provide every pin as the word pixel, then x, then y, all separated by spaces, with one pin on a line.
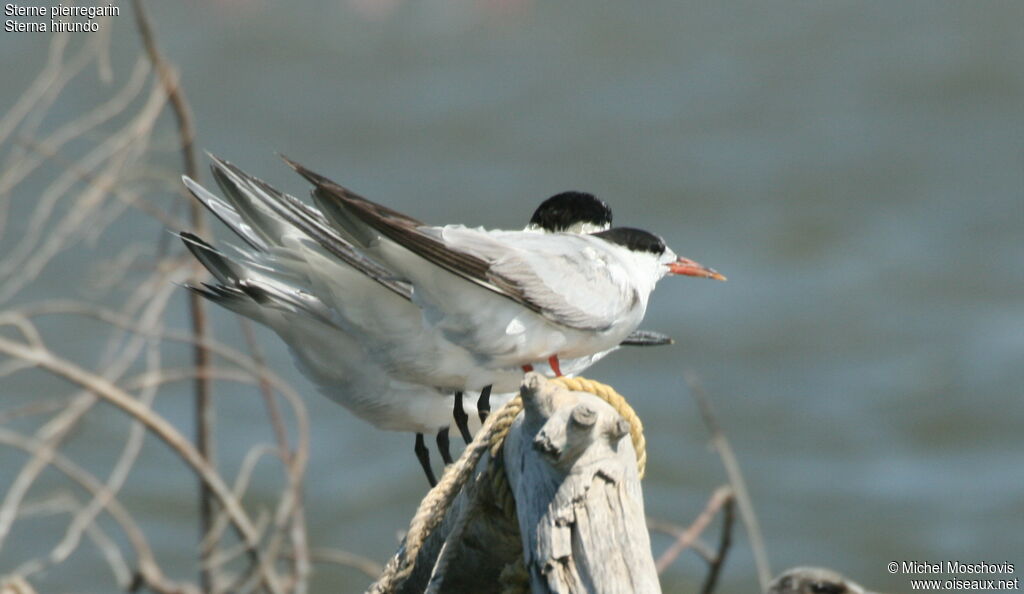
pixel 855 168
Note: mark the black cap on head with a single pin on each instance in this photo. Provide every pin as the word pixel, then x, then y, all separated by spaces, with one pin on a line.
pixel 635 240
pixel 562 211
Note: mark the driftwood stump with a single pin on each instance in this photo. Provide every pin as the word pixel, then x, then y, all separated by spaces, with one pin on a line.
pixel 579 521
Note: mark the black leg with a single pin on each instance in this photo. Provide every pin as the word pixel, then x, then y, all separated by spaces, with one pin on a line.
pixel 462 419
pixel 423 455
pixel 442 446
pixel 483 405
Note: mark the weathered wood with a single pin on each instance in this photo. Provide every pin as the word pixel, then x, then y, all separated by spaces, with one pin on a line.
pixel 578 496
pixel 579 507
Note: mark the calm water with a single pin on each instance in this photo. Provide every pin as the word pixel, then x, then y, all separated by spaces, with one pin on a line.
pixel 854 168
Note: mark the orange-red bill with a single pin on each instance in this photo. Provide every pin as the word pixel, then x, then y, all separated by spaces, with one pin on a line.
pixel 688 267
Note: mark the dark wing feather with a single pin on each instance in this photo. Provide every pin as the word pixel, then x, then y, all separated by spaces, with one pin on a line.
pixel 312 223
pixel 349 196
pixel 407 232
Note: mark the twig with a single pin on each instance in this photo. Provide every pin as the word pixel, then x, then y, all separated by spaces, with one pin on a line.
pixel 137 322
pixel 56 140
pixel 674 530
pixel 686 538
pixel 149 571
pixel 242 479
pixel 53 432
pixel 716 564
pixel 67 504
pixel 204 412
pixel 732 470
pixel 297 518
pixel 273 412
pixel 366 565
pixel 53 73
pixel 43 239
pixel 122 468
pixel 132 199
pixel 175 94
pixel 290 502
pixel 159 427
pixel 40 407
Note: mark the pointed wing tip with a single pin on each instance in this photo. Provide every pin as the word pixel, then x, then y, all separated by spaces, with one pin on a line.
pixel 311 176
pixel 218 164
pixel 191 184
pixel 216 159
pixel 189 237
pixel 221 165
pixel 294 165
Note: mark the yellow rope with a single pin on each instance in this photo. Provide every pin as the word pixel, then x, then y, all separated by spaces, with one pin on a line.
pixel 618 402
pixel 605 392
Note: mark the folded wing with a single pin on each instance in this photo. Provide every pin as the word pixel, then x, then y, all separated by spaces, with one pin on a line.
pixel 557 280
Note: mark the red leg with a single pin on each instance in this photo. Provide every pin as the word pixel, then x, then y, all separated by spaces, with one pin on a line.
pixel 527 368
pixel 553 362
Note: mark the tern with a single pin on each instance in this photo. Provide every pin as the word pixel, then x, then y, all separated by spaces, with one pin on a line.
pixel 512 298
pixel 329 356
pixel 289 238
pixel 278 281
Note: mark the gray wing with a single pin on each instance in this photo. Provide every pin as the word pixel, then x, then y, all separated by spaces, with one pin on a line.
pixel 574 282
pixel 516 279
pixel 259 214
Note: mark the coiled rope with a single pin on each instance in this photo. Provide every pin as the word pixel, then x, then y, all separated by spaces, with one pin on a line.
pixel 490 438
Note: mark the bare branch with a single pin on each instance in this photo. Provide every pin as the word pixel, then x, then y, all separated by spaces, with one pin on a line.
pixel 686 538
pixel 732 470
pixel 715 567
pixel 162 429
pixel 147 565
pixel 67 504
pixel 368 566
pixel 204 411
pixel 43 238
